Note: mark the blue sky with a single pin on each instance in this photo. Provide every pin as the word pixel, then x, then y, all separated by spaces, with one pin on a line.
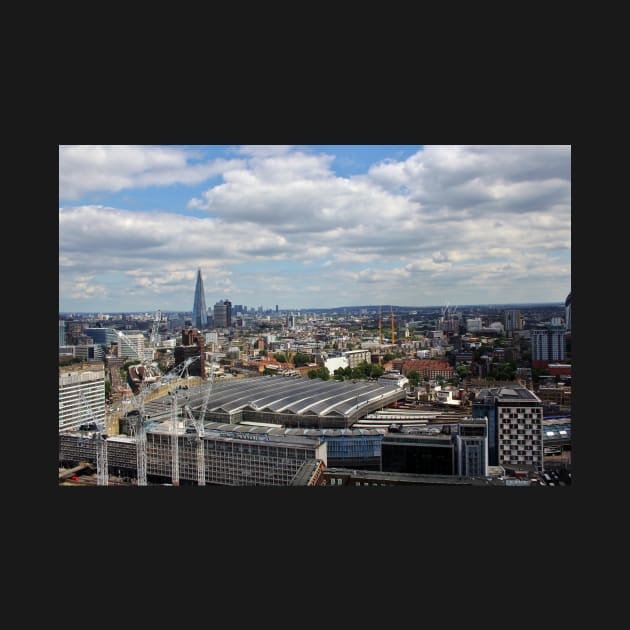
pixel 312 226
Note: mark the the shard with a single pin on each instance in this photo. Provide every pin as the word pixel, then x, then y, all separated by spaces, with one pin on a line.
pixel 199 313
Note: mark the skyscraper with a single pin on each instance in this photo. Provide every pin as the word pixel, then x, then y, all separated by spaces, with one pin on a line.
pixel 223 314
pixel 513 320
pixel 200 312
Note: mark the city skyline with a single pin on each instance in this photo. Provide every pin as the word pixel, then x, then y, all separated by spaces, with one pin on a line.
pixel 312 226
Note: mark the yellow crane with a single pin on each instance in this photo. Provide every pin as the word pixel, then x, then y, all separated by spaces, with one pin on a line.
pixel 380 331
pixel 391 312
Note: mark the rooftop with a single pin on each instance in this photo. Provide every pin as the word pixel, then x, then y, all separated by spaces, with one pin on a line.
pixel 509 394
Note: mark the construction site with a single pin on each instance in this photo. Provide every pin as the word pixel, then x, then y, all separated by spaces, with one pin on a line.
pixel 266 431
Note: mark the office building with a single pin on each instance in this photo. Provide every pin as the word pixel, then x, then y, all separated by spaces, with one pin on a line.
pixel 429 452
pixel 62 333
pixel 200 311
pixel 131 345
pixel 223 314
pixel 513 320
pixel 514 425
pixel 103 336
pixel 548 345
pixel 81 396
pixel 567 312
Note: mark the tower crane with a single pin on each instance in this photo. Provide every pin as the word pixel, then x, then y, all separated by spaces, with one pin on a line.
pixel 391 312
pixel 139 425
pixel 102 477
pixel 380 330
pixel 177 371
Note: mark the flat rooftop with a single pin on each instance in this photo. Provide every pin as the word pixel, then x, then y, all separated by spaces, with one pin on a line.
pixel 508 394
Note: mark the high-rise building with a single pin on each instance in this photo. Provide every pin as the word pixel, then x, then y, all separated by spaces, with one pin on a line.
pixel 81 397
pixel 513 320
pixel 200 312
pixel 223 314
pixel 514 425
pixel 549 344
pixel 62 333
pixel 567 309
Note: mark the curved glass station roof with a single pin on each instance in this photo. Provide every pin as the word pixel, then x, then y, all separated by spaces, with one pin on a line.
pixel 299 396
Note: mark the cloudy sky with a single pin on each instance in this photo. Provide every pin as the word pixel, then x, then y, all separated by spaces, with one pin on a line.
pixel 312 226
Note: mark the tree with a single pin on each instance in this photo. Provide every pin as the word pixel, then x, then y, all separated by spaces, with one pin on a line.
pixel 321 372
pixel 462 371
pixel 301 359
pixel 414 377
pixel 280 357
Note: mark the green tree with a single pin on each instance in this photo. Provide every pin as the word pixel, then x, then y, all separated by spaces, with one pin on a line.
pixel 280 357
pixel 300 358
pixel 414 377
pixel 321 372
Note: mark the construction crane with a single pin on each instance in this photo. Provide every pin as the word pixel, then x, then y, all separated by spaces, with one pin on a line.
pixel 172 377
pixel 380 330
pixel 139 430
pixel 174 443
pixel 100 438
pixel 179 372
pixel 391 312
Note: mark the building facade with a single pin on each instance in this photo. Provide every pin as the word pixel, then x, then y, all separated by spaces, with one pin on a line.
pixel 472 447
pixel 62 333
pixel 81 397
pixel 514 425
pixel 103 336
pixel 548 344
pixel 223 314
pixel 513 320
pixel 356 357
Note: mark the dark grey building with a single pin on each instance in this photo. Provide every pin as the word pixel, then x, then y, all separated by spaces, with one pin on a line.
pixel 223 314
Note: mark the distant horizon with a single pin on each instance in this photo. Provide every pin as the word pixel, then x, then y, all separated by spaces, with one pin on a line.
pixel 331 308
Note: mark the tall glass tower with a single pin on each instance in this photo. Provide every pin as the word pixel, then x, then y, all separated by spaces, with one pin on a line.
pixel 200 312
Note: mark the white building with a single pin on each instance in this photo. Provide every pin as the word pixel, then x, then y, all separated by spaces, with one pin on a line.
pixel 79 392
pixel 334 363
pixel 131 346
pixel 473 324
